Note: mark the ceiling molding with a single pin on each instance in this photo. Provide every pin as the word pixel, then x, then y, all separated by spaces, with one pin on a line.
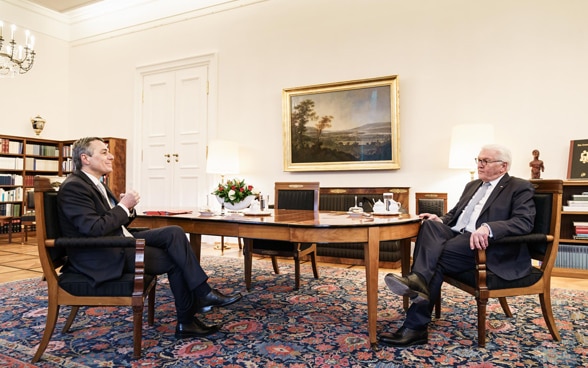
pixel 110 18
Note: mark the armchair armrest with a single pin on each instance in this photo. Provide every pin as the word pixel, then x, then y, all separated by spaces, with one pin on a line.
pixel 528 238
pixel 97 242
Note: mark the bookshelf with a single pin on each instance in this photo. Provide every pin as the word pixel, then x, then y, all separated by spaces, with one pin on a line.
pixel 573 253
pixel 23 158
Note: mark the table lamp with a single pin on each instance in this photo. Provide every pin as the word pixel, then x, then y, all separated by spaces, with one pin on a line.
pixel 222 158
pixel 466 142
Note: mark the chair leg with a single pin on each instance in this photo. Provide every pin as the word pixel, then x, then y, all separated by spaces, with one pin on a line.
pixel 137 330
pixel 505 307
pixel 275 264
pixel 52 312
pixel 70 318
pixel 482 321
pixel 545 300
pixel 151 305
pixel 296 272
pixel 314 267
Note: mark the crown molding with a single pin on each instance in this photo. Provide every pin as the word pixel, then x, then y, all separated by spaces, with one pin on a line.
pixel 110 18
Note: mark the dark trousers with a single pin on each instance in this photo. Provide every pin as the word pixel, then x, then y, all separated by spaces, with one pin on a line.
pixel 438 251
pixel 167 250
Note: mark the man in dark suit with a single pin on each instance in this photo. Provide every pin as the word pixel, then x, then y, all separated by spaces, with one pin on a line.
pixel 494 206
pixel 88 209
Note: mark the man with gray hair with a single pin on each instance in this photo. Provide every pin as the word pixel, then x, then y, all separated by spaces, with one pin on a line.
pixel 494 206
pixel 87 208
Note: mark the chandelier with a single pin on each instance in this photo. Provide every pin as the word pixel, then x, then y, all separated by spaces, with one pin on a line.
pixel 14 58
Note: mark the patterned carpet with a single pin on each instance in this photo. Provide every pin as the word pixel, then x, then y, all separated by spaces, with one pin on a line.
pixel 322 325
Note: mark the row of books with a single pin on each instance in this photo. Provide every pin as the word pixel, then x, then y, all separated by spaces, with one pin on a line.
pixel 11 163
pixel 10 209
pixel 67 165
pixel 578 203
pixel 41 164
pixel 15 227
pixel 42 150
pixel 67 150
pixel 10 179
pixel 11 195
pixel 581 230
pixel 572 256
pixel 8 146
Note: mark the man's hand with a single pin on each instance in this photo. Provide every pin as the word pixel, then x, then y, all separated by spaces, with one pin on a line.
pixel 430 216
pixel 130 199
pixel 479 238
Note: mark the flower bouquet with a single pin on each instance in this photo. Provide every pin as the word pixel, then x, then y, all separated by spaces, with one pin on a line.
pixel 234 194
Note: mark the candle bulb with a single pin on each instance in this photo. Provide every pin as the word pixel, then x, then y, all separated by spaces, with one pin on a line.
pixel 12 29
pixel 1 28
pixel 32 42
pixel 27 35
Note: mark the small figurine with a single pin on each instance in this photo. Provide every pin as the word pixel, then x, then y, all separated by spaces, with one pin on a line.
pixel 536 165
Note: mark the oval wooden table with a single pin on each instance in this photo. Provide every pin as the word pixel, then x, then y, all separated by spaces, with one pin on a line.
pixel 307 227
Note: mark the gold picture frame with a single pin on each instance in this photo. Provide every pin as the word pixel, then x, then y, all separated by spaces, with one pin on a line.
pixel 352 125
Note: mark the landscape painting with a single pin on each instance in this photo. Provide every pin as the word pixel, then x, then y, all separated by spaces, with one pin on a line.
pixel 342 126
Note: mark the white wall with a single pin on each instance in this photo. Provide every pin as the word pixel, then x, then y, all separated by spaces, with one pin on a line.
pixel 519 65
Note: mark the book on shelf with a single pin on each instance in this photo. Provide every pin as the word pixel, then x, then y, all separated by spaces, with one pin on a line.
pixel 580 197
pixel 581 236
pixel 581 231
pixel 580 223
pixel 578 203
pixel 575 208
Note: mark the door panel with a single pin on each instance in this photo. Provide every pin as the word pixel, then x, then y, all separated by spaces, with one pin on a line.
pixel 174 133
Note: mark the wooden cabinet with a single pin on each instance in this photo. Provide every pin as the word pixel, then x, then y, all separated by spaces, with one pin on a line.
pixel 22 158
pixel 573 252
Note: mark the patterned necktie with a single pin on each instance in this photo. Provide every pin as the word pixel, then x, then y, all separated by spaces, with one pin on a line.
pixel 102 188
pixel 465 217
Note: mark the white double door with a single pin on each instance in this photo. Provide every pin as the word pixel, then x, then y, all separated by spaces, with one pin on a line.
pixel 173 130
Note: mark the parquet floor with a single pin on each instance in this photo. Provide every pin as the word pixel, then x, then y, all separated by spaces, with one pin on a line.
pixel 21 261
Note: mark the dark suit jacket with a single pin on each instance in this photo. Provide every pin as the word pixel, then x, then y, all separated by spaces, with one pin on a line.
pixel 84 212
pixel 509 211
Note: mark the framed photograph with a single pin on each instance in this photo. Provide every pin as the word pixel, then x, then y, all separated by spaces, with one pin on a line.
pixel 340 126
pixel 578 161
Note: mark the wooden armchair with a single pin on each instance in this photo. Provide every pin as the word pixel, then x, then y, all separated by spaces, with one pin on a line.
pixel 542 242
pixel 288 196
pixel 75 289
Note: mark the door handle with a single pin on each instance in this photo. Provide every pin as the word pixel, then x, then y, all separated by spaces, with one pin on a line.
pixel 176 156
pixel 167 156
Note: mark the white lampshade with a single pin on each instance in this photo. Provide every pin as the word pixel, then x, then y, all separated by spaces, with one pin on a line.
pixel 222 157
pixel 466 142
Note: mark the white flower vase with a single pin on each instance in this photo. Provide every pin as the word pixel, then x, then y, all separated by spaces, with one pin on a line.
pixel 237 206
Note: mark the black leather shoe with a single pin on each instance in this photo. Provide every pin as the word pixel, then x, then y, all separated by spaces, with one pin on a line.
pixel 194 329
pixel 412 286
pixel 214 299
pixel 405 337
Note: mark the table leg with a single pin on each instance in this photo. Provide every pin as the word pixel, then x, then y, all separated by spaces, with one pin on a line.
pixel 372 260
pixel 196 243
pixel 248 260
pixel 405 264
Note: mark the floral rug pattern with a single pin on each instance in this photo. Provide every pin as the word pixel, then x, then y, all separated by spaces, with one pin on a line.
pixel 324 324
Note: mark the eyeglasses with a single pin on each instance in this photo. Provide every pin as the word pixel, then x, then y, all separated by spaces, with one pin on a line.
pixel 485 161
